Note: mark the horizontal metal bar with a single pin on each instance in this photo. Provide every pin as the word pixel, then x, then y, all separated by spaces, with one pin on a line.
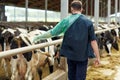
pixel 103 30
pixel 28 48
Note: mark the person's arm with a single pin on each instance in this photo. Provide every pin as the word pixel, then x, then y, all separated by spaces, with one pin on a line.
pixel 94 44
pixel 42 36
pixel 96 51
pixel 58 29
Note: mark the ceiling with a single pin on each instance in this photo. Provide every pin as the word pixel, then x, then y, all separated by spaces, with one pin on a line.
pixel 54 5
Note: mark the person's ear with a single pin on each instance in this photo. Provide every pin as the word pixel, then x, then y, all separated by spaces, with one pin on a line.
pixel 81 9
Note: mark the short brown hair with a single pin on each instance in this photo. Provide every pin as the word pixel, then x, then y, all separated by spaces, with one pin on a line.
pixel 76 4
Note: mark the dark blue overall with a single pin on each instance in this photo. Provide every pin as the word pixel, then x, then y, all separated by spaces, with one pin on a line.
pixel 75 47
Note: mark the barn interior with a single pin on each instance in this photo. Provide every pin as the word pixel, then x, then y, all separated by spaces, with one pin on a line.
pixel 101 12
pixel 101 9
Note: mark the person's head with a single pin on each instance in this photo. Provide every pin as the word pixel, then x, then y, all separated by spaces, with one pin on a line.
pixel 76 6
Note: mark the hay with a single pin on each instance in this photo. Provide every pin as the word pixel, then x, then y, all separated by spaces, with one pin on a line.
pixel 107 70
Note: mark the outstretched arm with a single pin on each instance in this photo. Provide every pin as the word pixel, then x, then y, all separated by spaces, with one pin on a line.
pixel 57 30
pixel 61 27
pixel 42 36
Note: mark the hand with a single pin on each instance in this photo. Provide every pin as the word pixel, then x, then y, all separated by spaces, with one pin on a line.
pixel 97 62
pixel 36 40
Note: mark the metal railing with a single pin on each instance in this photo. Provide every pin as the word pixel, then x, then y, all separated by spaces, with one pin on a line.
pixel 32 47
pixel 28 48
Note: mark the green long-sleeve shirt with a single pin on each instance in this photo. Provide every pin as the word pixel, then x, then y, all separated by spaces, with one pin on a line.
pixel 60 28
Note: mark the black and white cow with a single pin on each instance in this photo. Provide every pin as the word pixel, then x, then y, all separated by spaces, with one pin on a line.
pixel 57 47
pixel 20 62
pixel 108 39
pixel 6 37
pixel 33 61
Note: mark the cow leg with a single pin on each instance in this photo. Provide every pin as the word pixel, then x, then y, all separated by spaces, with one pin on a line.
pixel 3 62
pixel 35 73
pixel 28 70
pixel 22 67
pixel 30 77
pixel 4 65
pixel 15 76
pixel 14 69
pixel 40 73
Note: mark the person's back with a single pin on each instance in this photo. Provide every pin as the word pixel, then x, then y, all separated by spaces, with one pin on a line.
pixel 76 39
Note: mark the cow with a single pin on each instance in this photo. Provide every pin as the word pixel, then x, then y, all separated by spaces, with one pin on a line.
pixel 107 39
pixel 6 37
pixel 33 59
pixel 57 47
pixel 19 62
pixel 49 49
